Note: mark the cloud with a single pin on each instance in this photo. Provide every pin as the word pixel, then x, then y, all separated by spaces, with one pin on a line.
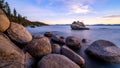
pixel 112 16
pixel 72 6
pixel 79 9
pixel 33 12
pixel 79 6
pixel 52 10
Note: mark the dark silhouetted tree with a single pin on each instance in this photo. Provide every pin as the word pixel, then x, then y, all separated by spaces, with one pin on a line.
pixel 1 4
pixel 19 18
pixel 15 12
pixel 7 9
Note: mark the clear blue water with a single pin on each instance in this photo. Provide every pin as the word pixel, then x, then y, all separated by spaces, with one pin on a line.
pixel 111 33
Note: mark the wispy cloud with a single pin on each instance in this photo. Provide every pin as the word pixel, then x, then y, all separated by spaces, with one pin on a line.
pixel 72 6
pixel 79 9
pixel 79 6
pixel 112 16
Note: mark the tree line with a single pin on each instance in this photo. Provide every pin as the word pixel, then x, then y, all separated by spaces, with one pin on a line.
pixel 15 16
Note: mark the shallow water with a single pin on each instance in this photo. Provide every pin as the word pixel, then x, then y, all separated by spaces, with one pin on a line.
pixel 110 33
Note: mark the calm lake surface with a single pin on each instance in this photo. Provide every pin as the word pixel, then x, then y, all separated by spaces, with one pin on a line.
pixel 111 33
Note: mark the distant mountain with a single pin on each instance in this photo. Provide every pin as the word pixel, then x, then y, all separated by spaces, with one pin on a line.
pixel 37 23
pixel 88 25
pixel 60 24
pixel 106 25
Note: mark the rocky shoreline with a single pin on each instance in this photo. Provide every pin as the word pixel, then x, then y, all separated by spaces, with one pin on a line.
pixel 19 49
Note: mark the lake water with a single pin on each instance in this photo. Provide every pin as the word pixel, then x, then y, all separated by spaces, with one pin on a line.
pixel 110 33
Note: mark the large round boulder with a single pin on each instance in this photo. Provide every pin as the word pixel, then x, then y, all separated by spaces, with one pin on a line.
pixel 56 61
pixel 104 51
pixel 19 34
pixel 72 55
pixel 39 47
pixel 4 22
pixel 73 42
pixel 10 55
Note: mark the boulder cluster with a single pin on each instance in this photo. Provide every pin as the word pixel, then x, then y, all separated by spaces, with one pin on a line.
pixel 19 49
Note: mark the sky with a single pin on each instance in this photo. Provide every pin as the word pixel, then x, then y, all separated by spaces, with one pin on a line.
pixel 67 11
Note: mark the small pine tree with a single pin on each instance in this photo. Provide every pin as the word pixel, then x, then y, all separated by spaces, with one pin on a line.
pixel 1 4
pixel 19 19
pixel 7 9
pixel 15 12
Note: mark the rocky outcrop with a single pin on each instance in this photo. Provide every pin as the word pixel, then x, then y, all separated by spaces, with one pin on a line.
pixel 4 22
pixel 10 55
pixel 72 55
pixel 73 42
pixel 56 61
pixel 78 26
pixel 56 48
pixel 19 34
pixel 104 51
pixel 39 47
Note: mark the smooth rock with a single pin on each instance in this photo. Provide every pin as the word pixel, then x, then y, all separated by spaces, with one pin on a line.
pixel 4 22
pixel 38 36
pixel 73 42
pixel 58 40
pixel 29 61
pixel 39 47
pixel 84 41
pixel 104 51
pixel 48 34
pixel 10 55
pixel 72 55
pixel 56 61
pixel 19 34
pixel 56 48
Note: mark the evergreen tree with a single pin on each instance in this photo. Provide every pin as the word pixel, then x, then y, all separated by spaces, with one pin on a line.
pixel 1 4
pixel 15 12
pixel 7 9
pixel 19 19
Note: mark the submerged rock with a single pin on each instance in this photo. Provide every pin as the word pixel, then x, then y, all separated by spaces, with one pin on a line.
pixel 39 47
pixel 48 34
pixel 19 34
pixel 78 26
pixel 72 55
pixel 56 61
pixel 84 41
pixel 58 40
pixel 105 51
pixel 4 22
pixel 10 55
pixel 73 42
